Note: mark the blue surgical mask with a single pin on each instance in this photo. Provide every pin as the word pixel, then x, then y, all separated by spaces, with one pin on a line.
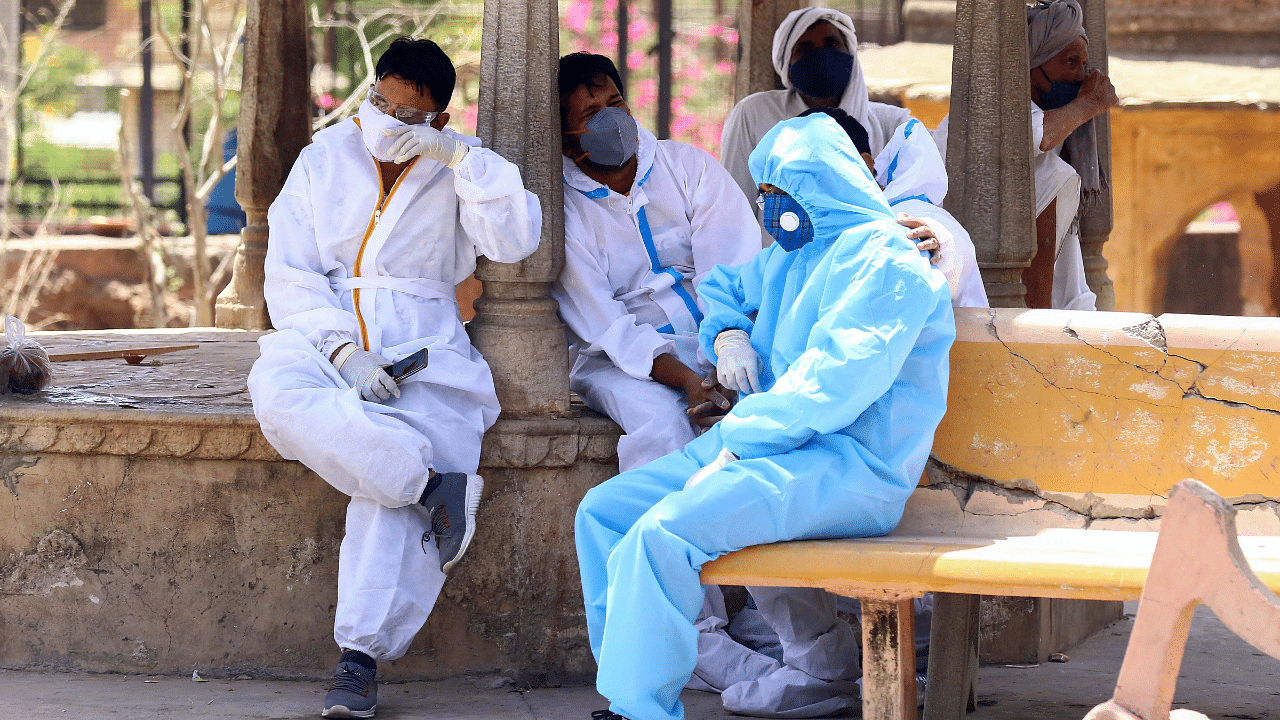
pixel 611 138
pixel 823 73
pixel 786 220
pixel 1060 94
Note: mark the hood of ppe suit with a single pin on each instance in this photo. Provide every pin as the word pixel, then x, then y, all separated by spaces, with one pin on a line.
pixel 813 160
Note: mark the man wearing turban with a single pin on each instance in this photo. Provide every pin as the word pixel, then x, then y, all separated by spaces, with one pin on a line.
pixel 1065 97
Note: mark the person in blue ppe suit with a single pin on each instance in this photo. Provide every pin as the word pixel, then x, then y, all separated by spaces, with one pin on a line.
pixel 845 327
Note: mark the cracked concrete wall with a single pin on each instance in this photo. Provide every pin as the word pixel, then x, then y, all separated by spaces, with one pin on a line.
pixel 1086 420
pixel 1097 415
pixel 164 565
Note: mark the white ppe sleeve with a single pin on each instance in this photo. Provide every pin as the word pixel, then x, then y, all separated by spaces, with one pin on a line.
pixel 502 219
pixel 722 226
pixel 588 307
pixel 297 288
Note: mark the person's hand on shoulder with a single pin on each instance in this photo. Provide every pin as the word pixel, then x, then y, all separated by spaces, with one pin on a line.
pixel 921 231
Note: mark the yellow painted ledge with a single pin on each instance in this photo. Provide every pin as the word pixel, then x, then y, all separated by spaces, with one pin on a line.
pixel 1081 564
pixel 1114 403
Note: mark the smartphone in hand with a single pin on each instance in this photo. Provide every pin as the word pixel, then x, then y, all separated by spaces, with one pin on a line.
pixel 403 368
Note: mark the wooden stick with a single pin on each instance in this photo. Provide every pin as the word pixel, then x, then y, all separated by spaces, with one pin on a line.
pixel 116 352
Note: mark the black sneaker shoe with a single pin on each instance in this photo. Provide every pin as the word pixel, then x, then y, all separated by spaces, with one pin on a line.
pixel 353 693
pixel 451 505
pixel 606 715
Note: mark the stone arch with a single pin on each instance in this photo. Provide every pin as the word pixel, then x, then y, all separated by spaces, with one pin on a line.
pixel 1170 164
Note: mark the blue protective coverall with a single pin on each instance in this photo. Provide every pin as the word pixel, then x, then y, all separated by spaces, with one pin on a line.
pixel 854 331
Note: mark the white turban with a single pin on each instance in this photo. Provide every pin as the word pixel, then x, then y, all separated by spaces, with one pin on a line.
pixel 1051 27
pixel 854 100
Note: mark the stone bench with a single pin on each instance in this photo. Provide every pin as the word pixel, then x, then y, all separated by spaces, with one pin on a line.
pixel 1064 433
pixel 150 528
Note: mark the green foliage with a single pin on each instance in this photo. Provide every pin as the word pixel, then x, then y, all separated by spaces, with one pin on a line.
pixel 52 88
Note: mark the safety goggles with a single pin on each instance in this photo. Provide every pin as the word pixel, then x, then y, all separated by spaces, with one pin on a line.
pixel 403 113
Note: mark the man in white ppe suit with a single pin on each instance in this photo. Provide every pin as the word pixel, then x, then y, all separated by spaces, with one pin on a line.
pixel 645 221
pixel 381 216
pixel 851 327
pixel 1065 97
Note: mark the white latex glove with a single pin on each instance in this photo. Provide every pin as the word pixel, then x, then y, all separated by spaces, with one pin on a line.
pixel 724 458
pixel 364 371
pixel 738 365
pixel 426 141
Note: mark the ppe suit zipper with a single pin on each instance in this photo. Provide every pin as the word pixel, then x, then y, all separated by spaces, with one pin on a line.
pixel 383 199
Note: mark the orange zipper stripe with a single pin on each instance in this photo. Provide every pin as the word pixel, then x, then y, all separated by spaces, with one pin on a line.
pixel 368 232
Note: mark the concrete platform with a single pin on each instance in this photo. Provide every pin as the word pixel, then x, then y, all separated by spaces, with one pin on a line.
pixel 1222 677
pixel 151 528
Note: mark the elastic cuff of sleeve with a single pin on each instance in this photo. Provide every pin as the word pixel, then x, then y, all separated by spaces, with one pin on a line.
pixel 341 354
pixel 460 151
pixel 734 337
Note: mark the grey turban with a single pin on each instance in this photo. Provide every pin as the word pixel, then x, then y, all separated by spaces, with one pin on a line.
pixel 1052 25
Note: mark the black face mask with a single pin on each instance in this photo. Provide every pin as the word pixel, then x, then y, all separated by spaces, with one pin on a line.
pixel 1060 94
pixel 823 73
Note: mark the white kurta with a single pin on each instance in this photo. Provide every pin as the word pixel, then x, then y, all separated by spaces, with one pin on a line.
pixel 347 263
pixel 628 291
pixel 756 114
pixel 1054 179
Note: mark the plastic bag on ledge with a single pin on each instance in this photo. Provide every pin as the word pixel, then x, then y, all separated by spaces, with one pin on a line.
pixel 22 360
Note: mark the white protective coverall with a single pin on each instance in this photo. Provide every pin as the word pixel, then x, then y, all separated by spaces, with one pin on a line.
pixel 346 264
pixel 1054 179
pixel 854 331
pixel 628 291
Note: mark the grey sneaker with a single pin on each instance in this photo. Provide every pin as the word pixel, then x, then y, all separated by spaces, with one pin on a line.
pixel 353 693
pixel 451 508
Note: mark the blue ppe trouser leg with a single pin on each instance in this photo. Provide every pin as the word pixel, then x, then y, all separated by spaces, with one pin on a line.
pixel 642 540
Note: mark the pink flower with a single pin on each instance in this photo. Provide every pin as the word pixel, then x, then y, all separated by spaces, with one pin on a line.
pixel 724 67
pixel 327 101
pixel 635 59
pixel 688 91
pixel 682 123
pixel 609 40
pixel 730 36
pixel 647 92
pixel 715 30
pixel 638 28
pixel 577 15
pixel 611 6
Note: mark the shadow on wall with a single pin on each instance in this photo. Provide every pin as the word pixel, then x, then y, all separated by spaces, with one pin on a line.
pixel 1224 262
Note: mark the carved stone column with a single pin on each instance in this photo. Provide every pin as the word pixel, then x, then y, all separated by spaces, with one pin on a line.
pixel 9 21
pixel 757 19
pixel 1096 223
pixel 275 124
pixel 516 327
pixel 989 147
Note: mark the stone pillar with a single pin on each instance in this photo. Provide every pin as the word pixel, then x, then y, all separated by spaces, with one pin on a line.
pixel 757 19
pixel 9 71
pixel 275 124
pixel 989 148
pixel 516 327
pixel 1096 223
